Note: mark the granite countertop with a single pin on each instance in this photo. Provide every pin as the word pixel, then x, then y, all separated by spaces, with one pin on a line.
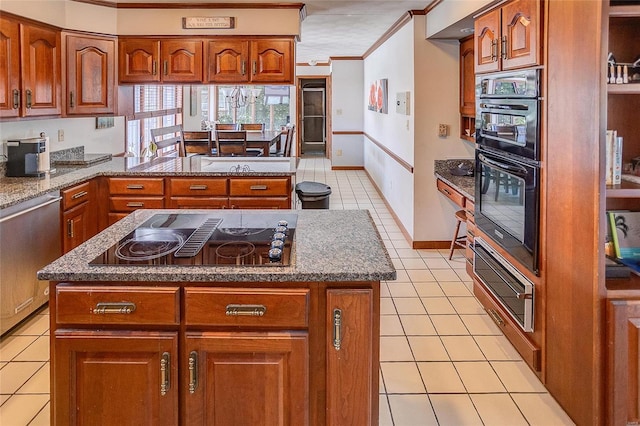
pixel 352 251
pixel 464 184
pixel 17 189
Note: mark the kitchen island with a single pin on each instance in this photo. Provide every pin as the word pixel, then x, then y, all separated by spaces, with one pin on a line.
pixel 222 345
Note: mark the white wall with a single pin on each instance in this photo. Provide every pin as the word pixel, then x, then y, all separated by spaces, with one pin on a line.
pixel 347 114
pixel 77 132
pixel 393 61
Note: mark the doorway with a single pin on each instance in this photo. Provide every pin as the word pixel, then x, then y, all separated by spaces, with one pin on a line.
pixel 313 117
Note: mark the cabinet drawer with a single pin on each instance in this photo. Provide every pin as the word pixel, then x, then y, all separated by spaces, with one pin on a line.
pixel 269 308
pixel 198 203
pixel 259 187
pixel 129 204
pixel 77 195
pixel 259 203
pixel 198 187
pixel 451 193
pixel 110 305
pixel 138 186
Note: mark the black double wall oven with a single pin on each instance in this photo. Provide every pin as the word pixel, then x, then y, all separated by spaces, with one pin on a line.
pixel 507 193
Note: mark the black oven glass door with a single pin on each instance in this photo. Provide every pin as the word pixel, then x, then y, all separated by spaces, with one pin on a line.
pixel 507 198
pixel 510 288
pixel 509 125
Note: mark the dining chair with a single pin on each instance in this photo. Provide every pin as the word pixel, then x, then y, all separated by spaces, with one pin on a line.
pixel 233 143
pixel 169 141
pixel 198 142
pixel 288 142
pixel 226 126
pixel 252 127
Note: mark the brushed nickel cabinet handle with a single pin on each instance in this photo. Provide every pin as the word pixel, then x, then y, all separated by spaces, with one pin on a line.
pixel 495 317
pixel 79 195
pixel 136 204
pixel 243 68
pixel 71 100
pixel 165 369
pixel 135 186
pixel 154 68
pixel 29 93
pixel 503 48
pixel 114 308
pixel 494 50
pixel 258 187
pixel 445 191
pixel 246 310
pixel 193 371
pixel 70 228
pixel 16 99
pixel 337 328
pixel 165 67
pixel 255 67
pixel 198 187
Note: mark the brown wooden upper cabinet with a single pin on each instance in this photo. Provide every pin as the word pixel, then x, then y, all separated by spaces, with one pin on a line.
pixel 160 61
pixel 33 89
pixel 508 37
pixel 90 74
pixel 247 61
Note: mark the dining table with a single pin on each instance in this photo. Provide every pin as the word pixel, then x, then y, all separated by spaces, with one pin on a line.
pixel 255 139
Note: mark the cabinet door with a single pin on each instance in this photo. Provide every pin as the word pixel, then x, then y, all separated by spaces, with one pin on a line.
pixel 467 78
pixel 90 79
pixel 352 358
pixel 115 377
pixel 41 79
pixel 271 61
pixel 9 68
pixel 623 365
pixel 75 226
pixel 487 40
pixel 181 61
pixel 227 61
pixel 238 379
pixel 138 61
pixel 520 33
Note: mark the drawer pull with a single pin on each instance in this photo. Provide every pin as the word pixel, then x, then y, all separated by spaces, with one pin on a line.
pixel 495 317
pixel 246 310
pixel 135 186
pixel 79 195
pixel 136 204
pixel 69 228
pixel 445 191
pixel 193 371
pixel 114 308
pixel 337 328
pixel 198 187
pixel 165 368
pixel 258 187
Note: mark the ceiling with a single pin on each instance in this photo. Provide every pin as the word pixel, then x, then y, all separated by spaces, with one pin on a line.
pixel 333 28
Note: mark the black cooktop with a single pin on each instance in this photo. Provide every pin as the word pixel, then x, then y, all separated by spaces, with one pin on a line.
pixel 216 239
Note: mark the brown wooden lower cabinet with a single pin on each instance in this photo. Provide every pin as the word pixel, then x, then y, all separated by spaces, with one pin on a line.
pixel 286 354
pixel 623 364
pixel 115 377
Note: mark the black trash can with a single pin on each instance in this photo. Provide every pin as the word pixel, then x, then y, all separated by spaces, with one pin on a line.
pixel 313 195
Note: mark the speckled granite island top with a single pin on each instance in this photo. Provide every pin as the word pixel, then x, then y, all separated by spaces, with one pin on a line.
pixel 329 245
pixel 17 189
pixel 464 184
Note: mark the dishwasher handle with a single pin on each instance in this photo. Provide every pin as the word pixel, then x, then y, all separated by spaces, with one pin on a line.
pixel 51 200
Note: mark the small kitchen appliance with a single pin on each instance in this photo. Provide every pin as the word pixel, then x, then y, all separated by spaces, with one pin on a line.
pixel 211 239
pixel 28 157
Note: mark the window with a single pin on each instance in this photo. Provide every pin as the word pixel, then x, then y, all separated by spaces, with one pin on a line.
pixel 154 107
pixel 246 104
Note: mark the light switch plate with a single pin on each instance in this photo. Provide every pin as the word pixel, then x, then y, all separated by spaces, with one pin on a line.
pixel 403 103
pixel 443 130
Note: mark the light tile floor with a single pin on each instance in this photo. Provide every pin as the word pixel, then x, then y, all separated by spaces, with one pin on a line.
pixel 443 362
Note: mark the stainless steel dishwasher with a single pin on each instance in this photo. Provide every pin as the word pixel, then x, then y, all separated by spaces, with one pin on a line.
pixel 29 240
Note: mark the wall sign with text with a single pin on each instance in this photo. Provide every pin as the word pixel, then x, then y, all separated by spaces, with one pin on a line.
pixel 208 22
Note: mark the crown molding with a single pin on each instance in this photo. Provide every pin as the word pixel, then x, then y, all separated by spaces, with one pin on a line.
pixel 151 5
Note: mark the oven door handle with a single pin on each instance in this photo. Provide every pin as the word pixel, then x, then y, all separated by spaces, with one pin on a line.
pixel 508 107
pixel 515 169
pixel 519 295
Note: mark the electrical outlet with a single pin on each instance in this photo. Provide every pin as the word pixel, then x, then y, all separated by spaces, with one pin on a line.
pixel 443 130
pixel 339 153
pixel 60 135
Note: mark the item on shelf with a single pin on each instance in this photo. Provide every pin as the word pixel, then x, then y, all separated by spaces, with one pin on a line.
pixel 625 234
pixel 613 158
